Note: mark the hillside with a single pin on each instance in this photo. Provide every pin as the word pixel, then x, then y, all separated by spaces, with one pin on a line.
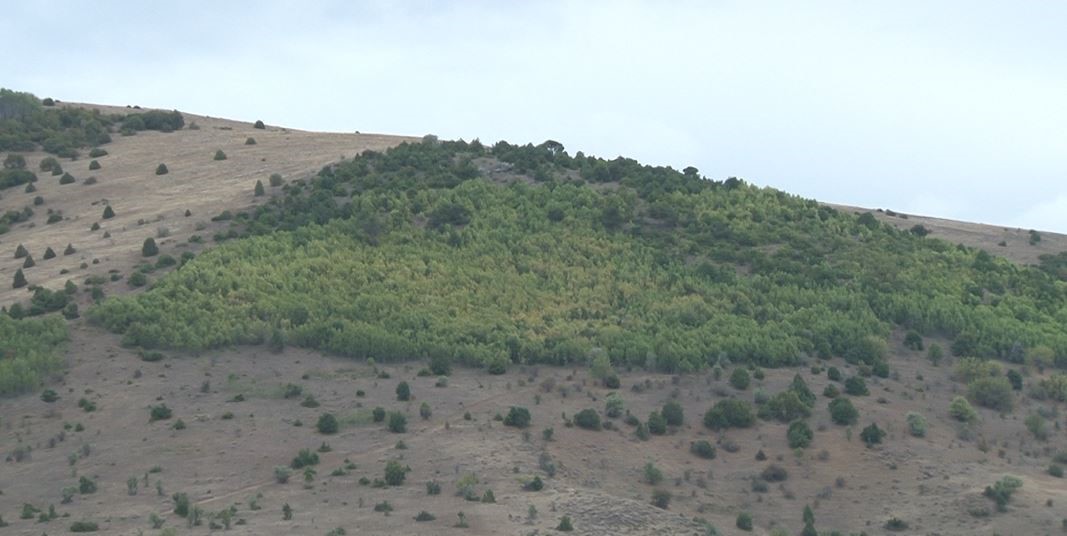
pixel 485 340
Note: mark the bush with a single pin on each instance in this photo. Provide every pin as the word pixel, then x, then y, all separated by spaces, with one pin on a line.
pixel 86 486
pixel 661 498
pixel 159 413
pixel 972 368
pixel 653 475
pixel 162 169
pixel 673 414
pixel 834 374
pixel 276 180
pixel 137 279
pixel 842 411
pixel 49 396
pixel 872 434
pixel 1002 490
pixel 913 341
pixel 403 392
pixel 94 165
pixel 993 393
pixel 657 425
pixel 588 419
pixel 613 405
pixel 916 424
pixel 702 449
pixel 962 411
pixel 395 473
pixel 398 423
pixel 219 155
pixel 327 424
pixel 259 124
pixel 250 141
pixel 799 435
pixel 740 379
pixel 565 524
pixel 774 473
pixel 20 279
pixel 149 247
pixel 535 484
pixel 1055 470
pixel 304 458
pixel 519 417
pixel 1037 426
pixel 378 414
pixel 729 413
pixel 1016 379
pixel 855 386
pixel 785 406
pixel 744 521
pixel 108 212
pixel 259 191
pixel 83 526
pixel 67 178
pixel 97 152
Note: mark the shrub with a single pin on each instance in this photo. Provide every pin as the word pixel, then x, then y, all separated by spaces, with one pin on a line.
pixel 137 279
pixel 423 515
pixel 282 474
pixel 916 424
pixel 1037 426
pixel 673 414
pixel 67 178
pixel 653 475
pixel 219 155
pixel 159 413
pixel 588 419
pixel 108 212
pixel 378 414
pixel 97 152
pixel 1016 379
pixel 774 473
pixel 517 416
pixel 831 391
pixel 872 434
pixel 855 386
pixel 661 498
pixel 1002 490
pixel 49 163
pixel 395 473
pixel 729 413
pixel 327 424
pixel 657 425
pixel 842 411
pixel 613 405
pixel 86 486
pixel 21 251
pixel 276 180
pixel 398 423
pixel 740 379
pixel 250 141
pixel 403 392
pixel 149 247
pixel 84 526
pixel 94 165
pixel 259 124
pixel 49 253
pixel 913 341
pixel 20 279
pixel 1055 470
pixel 994 393
pixel 565 524
pixel 304 458
pixel 259 191
pixel 162 169
pixel 425 411
pixel 833 374
pixel 49 396
pixel 702 449
pixel 535 484
pixel 962 411
pixel 971 368
pixel 744 521
pixel 799 435
pixel 785 406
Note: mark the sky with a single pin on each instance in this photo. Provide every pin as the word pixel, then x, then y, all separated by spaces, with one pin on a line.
pixel 956 109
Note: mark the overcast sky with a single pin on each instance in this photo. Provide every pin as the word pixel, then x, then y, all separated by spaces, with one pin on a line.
pixel 952 109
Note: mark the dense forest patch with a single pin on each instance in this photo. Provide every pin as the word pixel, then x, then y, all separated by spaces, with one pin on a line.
pixel 508 254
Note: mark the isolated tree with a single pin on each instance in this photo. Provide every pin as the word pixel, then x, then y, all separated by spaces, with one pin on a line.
pixel 425 411
pixel 673 414
pixel 962 411
pixel 842 411
pixel 259 191
pixel 403 392
pixel 28 263
pixel 219 155
pixel 276 179
pixel 21 251
pixel 70 250
pixel 49 253
pixel 94 165
pixel 149 248
pixel 250 141
pixel 588 419
pixel 108 212
pixel 398 423
pixel 395 473
pixel 740 379
pixel 259 124
pixel 327 424
pixel 799 435
pixel 657 425
pixel 162 169
pixel 872 434
pixel 729 413
pixel 517 416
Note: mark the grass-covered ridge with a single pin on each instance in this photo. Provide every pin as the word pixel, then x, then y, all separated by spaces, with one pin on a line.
pixel 526 254
pixel 29 351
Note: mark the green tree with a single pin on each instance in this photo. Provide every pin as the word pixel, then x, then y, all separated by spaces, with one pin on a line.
pixel 842 411
pixel 395 473
pixel 962 411
pixel 517 416
pixel 149 248
pixel 588 419
pixel 799 435
pixel 403 392
pixel 673 414
pixel 219 155
pixel 20 279
pixel 994 393
pixel 398 423
pixel 108 212
pixel 162 169
pixel 657 425
pixel 740 379
pixel 872 434
pixel 729 413
pixel 259 189
pixel 327 424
